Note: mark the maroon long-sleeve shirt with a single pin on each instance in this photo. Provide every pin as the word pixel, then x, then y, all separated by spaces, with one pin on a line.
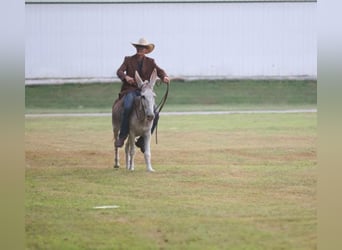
pixel 144 68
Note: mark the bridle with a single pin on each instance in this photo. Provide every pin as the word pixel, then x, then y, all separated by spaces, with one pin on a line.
pixel 140 109
pixel 157 109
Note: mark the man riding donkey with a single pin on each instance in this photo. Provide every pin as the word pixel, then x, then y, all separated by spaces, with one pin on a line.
pixel 129 90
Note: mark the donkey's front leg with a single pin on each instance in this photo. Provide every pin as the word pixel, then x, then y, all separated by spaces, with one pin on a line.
pixel 147 154
pixel 130 151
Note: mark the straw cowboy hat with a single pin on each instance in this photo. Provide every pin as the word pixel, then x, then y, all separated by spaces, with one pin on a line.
pixel 143 42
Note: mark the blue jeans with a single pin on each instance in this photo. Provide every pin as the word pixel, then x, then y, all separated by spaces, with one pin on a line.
pixel 127 110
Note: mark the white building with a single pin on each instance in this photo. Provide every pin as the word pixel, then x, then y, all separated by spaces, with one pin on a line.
pixel 204 39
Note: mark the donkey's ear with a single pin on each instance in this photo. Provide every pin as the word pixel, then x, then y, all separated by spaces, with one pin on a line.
pixel 138 79
pixel 153 78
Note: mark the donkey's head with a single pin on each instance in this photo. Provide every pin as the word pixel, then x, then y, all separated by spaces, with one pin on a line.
pixel 147 94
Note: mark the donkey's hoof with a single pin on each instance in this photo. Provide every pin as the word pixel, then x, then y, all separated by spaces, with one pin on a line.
pixel 151 170
pixel 116 166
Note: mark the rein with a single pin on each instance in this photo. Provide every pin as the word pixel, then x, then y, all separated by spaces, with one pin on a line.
pixel 163 100
pixel 160 106
pixel 157 109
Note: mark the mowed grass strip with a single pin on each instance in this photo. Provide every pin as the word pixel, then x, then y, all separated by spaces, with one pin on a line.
pixel 222 182
pixel 183 96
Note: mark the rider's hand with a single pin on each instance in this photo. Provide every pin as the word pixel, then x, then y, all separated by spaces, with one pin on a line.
pixel 129 79
pixel 166 79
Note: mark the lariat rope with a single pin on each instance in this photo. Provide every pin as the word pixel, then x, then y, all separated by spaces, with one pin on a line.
pixel 160 106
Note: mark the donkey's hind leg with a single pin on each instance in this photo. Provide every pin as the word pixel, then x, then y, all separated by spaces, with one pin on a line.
pixel 116 152
pixel 116 158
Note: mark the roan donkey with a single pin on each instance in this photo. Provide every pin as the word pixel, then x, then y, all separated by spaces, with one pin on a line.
pixel 140 122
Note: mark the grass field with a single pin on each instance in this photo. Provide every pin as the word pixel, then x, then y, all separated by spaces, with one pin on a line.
pixel 222 182
pixel 242 181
